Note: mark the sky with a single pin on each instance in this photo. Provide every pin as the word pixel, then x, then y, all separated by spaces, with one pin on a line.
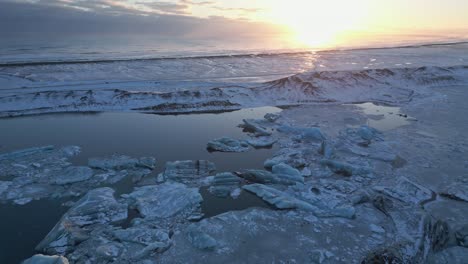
pixel 313 23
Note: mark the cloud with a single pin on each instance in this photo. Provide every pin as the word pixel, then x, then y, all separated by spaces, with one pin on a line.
pixel 194 3
pixel 242 10
pixel 166 7
pixel 67 18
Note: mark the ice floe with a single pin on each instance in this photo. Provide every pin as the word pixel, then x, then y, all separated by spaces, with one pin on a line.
pixel 226 144
pixel 164 200
pixel 43 259
pixel 188 170
pixel 225 184
pixel 46 172
pixel 262 142
pixel 98 206
pixel 456 191
pixel 255 127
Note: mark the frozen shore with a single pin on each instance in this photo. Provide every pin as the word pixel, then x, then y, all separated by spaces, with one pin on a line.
pixel 387 86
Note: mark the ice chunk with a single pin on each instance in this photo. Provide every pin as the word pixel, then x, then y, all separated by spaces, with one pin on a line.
pixel 457 191
pixel 141 241
pixel 147 162
pixel 226 144
pixel 367 133
pixel 188 170
pixel 325 206
pixel 344 168
pixel 23 194
pixel 26 152
pixel 363 135
pixel 279 199
pixel 390 255
pixel 73 174
pixel 287 173
pixel 253 126
pixel 98 206
pixel 43 259
pixel 462 236
pixel 109 251
pixel 164 200
pixel 272 117
pixel 326 149
pixel 377 229
pixel 4 185
pixel 258 176
pixel 35 160
pixel 436 235
pixel 312 134
pixel 266 177
pixel 303 133
pixel 262 142
pixel 201 240
pixel 406 191
pixel 293 158
pixel 327 203
pixel 119 162
pixel 224 183
pixel 453 255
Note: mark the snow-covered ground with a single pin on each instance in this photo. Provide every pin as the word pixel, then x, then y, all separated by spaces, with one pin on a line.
pixel 390 86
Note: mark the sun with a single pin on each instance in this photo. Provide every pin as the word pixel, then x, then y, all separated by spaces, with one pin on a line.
pixel 318 23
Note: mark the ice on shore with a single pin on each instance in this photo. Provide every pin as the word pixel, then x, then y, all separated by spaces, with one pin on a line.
pixel 379 212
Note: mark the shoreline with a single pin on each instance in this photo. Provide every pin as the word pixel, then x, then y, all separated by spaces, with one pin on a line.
pixel 386 86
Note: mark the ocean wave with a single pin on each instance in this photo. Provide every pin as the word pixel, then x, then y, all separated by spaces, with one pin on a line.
pixel 65 61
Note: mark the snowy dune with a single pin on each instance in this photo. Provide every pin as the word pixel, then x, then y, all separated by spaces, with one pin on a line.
pixel 390 86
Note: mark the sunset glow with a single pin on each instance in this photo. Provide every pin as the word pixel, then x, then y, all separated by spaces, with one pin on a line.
pixel 318 23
